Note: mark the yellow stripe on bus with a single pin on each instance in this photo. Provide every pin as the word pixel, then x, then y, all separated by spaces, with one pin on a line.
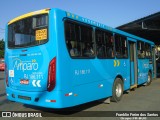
pixel 29 15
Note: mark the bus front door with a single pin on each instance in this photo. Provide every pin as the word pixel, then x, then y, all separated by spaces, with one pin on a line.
pixel 133 65
pixel 154 62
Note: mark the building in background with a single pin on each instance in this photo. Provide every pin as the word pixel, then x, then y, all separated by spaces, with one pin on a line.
pixel 149 28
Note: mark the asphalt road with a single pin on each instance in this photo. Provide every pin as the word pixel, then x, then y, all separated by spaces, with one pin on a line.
pixel 143 98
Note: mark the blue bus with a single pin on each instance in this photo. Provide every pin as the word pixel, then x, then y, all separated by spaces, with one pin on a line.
pixel 56 59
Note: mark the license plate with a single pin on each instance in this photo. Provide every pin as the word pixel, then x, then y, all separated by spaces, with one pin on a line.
pixel 25 82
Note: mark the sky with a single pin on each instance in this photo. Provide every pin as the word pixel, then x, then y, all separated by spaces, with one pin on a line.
pixel 109 12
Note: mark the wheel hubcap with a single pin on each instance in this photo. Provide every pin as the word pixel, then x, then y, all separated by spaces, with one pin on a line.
pixel 149 79
pixel 118 90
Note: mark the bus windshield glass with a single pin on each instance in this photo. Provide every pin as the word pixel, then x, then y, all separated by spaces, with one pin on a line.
pixel 27 32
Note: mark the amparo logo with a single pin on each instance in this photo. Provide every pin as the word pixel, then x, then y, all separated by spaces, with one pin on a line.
pixel 25 65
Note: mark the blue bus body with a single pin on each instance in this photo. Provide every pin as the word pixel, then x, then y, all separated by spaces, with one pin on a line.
pixel 77 81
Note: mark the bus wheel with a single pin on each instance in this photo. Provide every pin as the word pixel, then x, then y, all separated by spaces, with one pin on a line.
pixel 117 90
pixel 149 80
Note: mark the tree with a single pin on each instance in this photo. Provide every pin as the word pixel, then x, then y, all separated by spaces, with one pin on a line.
pixel 1 53
pixel 2 48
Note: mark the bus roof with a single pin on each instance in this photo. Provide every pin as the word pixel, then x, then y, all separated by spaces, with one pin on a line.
pixel 81 19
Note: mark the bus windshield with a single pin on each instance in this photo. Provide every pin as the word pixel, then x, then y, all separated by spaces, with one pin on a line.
pixel 28 32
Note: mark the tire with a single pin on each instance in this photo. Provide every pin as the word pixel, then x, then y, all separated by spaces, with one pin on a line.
pixel 149 80
pixel 117 90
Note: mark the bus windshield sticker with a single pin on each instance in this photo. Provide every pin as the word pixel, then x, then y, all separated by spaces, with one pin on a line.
pixel 11 73
pixel 41 34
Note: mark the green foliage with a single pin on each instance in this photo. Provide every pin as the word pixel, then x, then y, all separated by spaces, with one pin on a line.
pixel 1 53
pixel 1 48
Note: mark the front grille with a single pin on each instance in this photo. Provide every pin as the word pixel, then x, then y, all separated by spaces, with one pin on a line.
pixel 24 97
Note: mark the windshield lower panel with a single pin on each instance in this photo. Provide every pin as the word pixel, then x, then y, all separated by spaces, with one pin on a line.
pixel 28 32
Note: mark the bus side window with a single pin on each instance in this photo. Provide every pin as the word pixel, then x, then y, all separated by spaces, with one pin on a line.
pixel 69 45
pixel 105 44
pixel 79 40
pixel 141 49
pixel 71 36
pixel 100 44
pixel 74 51
pixel 88 50
pixel 109 44
pixel 86 40
pixel 148 50
pixel 121 46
